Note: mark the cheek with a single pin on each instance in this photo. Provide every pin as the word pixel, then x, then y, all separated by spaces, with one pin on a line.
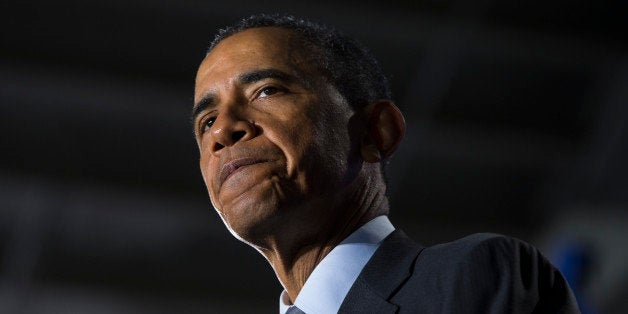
pixel 207 165
pixel 332 144
pixel 293 136
pixel 315 154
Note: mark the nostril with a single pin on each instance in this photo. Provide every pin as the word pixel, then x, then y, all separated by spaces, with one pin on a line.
pixel 238 135
pixel 218 146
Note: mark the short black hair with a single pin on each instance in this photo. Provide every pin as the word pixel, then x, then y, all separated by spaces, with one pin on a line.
pixel 350 67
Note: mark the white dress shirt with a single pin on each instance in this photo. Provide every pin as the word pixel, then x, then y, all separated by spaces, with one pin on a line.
pixel 328 285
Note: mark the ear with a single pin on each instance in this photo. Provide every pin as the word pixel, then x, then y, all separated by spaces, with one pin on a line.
pixel 384 130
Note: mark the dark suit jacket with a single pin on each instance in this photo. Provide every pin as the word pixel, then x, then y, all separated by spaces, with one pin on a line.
pixel 481 273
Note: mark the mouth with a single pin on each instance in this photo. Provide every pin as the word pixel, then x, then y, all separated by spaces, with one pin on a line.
pixel 233 166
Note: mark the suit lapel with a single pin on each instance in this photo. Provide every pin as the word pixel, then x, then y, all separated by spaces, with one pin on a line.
pixel 389 267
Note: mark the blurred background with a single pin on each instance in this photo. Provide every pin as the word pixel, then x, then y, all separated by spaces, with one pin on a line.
pixel 516 115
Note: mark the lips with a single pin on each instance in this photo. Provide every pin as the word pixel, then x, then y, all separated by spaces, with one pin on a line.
pixel 232 166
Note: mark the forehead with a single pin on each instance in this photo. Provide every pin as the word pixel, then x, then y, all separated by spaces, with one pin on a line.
pixel 256 48
pixel 258 38
pixel 262 42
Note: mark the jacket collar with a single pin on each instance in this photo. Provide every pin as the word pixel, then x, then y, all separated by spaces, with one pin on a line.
pixel 389 267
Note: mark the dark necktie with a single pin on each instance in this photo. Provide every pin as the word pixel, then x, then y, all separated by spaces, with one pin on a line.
pixel 294 310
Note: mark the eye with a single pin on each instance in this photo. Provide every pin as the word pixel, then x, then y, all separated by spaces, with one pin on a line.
pixel 207 124
pixel 268 91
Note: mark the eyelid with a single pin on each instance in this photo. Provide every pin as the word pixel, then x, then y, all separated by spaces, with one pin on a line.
pixel 202 121
pixel 257 94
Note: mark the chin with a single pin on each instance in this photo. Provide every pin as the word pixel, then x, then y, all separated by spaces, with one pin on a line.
pixel 251 222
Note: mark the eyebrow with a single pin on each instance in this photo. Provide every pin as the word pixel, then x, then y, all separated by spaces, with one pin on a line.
pixel 243 79
pixel 205 102
pixel 258 75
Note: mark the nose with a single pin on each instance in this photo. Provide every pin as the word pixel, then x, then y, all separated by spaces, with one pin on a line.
pixel 229 129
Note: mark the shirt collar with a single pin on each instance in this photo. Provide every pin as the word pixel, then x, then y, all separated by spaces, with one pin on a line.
pixel 329 283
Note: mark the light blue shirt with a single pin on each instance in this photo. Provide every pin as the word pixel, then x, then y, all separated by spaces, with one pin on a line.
pixel 328 285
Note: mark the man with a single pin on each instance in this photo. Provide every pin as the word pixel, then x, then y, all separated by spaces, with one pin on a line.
pixel 294 122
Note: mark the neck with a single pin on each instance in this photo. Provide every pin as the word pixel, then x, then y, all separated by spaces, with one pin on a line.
pixel 298 248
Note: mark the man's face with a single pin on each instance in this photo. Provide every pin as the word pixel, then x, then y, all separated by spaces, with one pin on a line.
pixel 273 134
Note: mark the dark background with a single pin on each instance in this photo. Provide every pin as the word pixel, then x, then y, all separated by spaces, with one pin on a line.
pixel 516 117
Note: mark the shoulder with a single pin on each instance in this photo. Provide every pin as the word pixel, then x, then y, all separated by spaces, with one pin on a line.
pixel 488 269
pixel 481 246
pixel 478 241
pixel 476 250
pixel 486 256
pixel 492 259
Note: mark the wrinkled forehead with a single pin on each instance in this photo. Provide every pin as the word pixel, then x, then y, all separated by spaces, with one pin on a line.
pixel 259 48
pixel 262 44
